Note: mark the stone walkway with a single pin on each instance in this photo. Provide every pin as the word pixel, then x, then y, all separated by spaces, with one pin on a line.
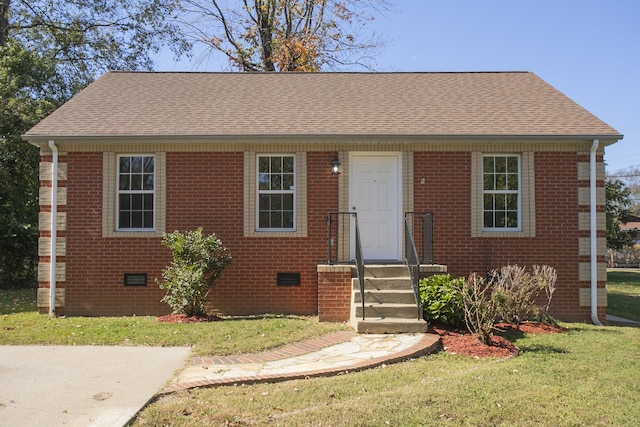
pixel 324 356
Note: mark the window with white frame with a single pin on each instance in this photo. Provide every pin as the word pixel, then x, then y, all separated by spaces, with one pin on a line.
pixel 501 192
pixel 136 192
pixel 276 192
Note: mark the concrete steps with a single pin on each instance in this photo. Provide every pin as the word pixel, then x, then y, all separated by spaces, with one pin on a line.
pixel 390 305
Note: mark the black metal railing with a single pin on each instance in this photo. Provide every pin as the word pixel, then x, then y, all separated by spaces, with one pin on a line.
pixel 360 264
pixel 412 260
pixel 339 232
pixel 421 227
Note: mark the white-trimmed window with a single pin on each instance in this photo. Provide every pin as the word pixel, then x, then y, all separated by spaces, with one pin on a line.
pixel 136 193
pixel 276 204
pixel 501 192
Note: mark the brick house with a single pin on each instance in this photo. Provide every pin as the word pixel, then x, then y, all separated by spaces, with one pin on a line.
pixel 501 161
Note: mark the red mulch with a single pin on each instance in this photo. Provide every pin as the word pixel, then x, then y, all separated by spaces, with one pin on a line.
pixel 458 341
pixel 182 318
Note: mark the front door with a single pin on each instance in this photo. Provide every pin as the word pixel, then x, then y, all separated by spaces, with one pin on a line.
pixel 375 194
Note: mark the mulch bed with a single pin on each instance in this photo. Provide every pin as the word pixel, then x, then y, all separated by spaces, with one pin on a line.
pixel 459 341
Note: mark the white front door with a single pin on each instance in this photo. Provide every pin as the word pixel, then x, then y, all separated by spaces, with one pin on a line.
pixel 375 194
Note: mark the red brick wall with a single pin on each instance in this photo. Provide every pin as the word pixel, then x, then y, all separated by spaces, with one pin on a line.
pixel 206 190
pixel 334 296
pixel 447 192
pixel 203 190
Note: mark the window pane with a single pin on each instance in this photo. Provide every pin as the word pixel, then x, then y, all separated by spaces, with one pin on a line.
pixel 512 219
pixel 136 202
pixel 512 182
pixel 489 182
pixel 263 181
pixel 125 165
pixel 287 164
pixel 124 182
pixel 488 219
pixel 124 220
pixel 488 202
pixel 276 164
pixel 512 202
pixel 276 202
pixel 287 181
pixel 501 164
pixel 136 219
pixel 512 165
pixel 501 182
pixel 148 202
pixel 263 164
pixel 287 219
pixel 148 219
pixel 500 202
pixel 136 165
pixel 136 182
pixel 276 219
pixel 488 164
pixel 263 220
pixel 500 220
pixel 148 164
pixel 276 182
pixel 125 202
pixel 148 182
pixel 263 202
pixel 287 202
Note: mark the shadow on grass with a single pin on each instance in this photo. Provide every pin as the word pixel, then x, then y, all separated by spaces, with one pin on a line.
pixel 17 301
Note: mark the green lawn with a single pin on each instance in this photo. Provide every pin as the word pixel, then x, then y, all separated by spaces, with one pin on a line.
pixel 587 376
pixel 623 293
pixel 20 323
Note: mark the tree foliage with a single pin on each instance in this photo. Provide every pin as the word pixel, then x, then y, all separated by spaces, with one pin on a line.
pixel 618 212
pixel 49 50
pixel 285 35
pixel 84 38
pixel 28 88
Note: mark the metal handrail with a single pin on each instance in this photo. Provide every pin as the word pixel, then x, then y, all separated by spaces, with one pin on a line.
pixel 360 264
pixel 413 263
pixel 426 235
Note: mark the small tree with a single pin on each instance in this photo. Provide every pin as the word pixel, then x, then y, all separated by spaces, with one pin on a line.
pixel 197 261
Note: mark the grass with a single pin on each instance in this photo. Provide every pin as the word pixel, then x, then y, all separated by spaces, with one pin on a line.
pixel 587 376
pixel 20 323
pixel 623 293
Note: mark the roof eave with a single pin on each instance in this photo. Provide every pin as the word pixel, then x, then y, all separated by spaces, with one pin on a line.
pixel 605 139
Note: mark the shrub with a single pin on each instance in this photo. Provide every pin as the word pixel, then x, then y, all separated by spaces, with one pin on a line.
pixel 441 299
pixel 479 307
pixel 515 292
pixel 197 261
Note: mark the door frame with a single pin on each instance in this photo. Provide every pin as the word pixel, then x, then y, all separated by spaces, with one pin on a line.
pixel 399 199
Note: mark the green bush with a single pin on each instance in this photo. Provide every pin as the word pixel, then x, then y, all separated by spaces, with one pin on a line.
pixel 197 261
pixel 441 299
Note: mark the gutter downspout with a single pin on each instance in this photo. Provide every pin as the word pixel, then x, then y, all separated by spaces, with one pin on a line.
pixel 54 217
pixel 593 234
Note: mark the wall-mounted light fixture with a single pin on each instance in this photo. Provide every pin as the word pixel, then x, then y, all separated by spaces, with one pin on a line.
pixel 335 166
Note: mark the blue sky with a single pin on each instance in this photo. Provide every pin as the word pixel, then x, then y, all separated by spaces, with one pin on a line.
pixel 587 49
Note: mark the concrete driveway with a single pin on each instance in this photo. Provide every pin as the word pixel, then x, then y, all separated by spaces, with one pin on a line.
pixel 83 385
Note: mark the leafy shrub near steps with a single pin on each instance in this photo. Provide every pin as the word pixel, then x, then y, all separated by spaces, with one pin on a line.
pixel 441 299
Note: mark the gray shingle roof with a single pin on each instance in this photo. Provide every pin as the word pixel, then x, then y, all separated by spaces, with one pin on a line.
pixel 320 104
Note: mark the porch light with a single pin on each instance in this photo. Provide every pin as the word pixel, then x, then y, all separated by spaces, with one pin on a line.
pixel 335 166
